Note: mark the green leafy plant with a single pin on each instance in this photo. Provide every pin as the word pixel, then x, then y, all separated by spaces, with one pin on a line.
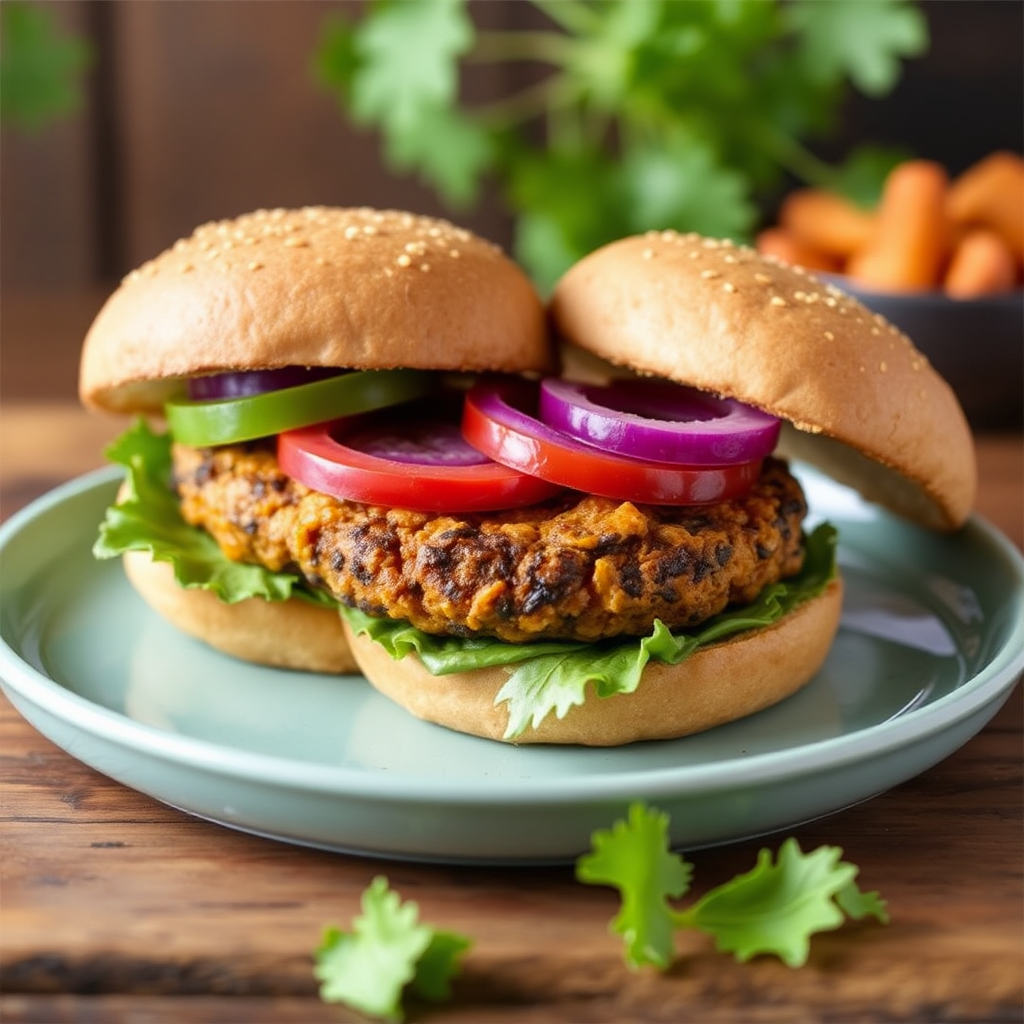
pixel 40 68
pixel 775 908
pixel 649 115
pixel 388 953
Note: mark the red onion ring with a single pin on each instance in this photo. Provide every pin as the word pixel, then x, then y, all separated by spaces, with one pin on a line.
pixel 659 421
pixel 499 418
pixel 246 383
pixel 436 442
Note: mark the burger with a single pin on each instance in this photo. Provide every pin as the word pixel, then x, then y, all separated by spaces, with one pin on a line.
pixel 610 555
pixel 267 320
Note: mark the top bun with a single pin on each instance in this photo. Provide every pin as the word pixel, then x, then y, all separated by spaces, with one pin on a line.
pixel 353 288
pixel 867 406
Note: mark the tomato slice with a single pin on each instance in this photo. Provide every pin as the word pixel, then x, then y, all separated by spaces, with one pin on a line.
pixel 230 420
pixel 499 419
pixel 404 462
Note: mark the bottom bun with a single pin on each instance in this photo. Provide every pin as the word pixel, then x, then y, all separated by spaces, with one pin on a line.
pixel 715 685
pixel 286 634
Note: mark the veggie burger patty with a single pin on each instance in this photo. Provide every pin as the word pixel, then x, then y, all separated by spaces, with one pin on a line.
pixel 576 566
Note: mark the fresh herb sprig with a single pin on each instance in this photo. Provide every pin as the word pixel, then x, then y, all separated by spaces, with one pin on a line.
pixel 388 954
pixel 773 909
pixel 647 115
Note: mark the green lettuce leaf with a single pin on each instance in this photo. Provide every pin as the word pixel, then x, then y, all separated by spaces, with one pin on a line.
pixel 552 676
pixel 148 519
pixel 388 951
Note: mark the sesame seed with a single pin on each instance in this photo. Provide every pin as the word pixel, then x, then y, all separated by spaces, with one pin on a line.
pixel 728 286
pixel 369 229
pixel 424 267
pixel 829 336
pixel 647 254
pixel 762 279
pixel 777 300
pixel 404 260
pixel 187 268
pixel 293 242
pixel 882 366
pixel 694 254
pixel 709 274
pixel 351 232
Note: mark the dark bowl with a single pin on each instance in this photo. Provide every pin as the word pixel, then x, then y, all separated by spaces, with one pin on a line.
pixel 976 344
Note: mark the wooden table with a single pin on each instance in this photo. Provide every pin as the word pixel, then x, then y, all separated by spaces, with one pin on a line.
pixel 117 908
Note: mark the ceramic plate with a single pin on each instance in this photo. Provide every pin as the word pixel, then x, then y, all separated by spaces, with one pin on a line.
pixel 931 642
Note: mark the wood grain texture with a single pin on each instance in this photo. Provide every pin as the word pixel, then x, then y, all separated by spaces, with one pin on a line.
pixel 118 908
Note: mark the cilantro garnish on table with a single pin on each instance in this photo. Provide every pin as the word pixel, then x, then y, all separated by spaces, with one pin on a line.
pixel 388 953
pixel 774 909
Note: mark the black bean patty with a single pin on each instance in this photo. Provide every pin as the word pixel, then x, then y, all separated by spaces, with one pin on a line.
pixel 574 567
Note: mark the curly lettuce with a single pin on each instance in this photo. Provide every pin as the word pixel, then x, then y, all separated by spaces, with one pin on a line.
pixel 147 518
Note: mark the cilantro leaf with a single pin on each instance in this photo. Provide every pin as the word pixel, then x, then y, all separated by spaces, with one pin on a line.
pixel 776 907
pixel 858 905
pixel 40 69
pixel 387 951
pixel 407 59
pixel 449 150
pixel 862 40
pixel 400 70
pixel 633 857
pixel 148 518
pixel 681 183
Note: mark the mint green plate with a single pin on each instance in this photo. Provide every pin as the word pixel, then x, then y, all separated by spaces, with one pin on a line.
pixel 931 643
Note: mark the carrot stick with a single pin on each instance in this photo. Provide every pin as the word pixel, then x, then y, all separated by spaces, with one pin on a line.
pixel 908 246
pixel 982 264
pixel 825 221
pixel 784 246
pixel 991 194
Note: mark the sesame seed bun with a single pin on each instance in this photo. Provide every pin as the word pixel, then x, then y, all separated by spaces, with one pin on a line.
pixel 864 404
pixel 351 288
pixel 716 684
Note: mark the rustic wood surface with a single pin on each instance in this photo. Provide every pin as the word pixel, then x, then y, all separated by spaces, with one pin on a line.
pixel 117 908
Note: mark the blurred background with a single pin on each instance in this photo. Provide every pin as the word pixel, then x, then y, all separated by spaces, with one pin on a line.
pixel 177 113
